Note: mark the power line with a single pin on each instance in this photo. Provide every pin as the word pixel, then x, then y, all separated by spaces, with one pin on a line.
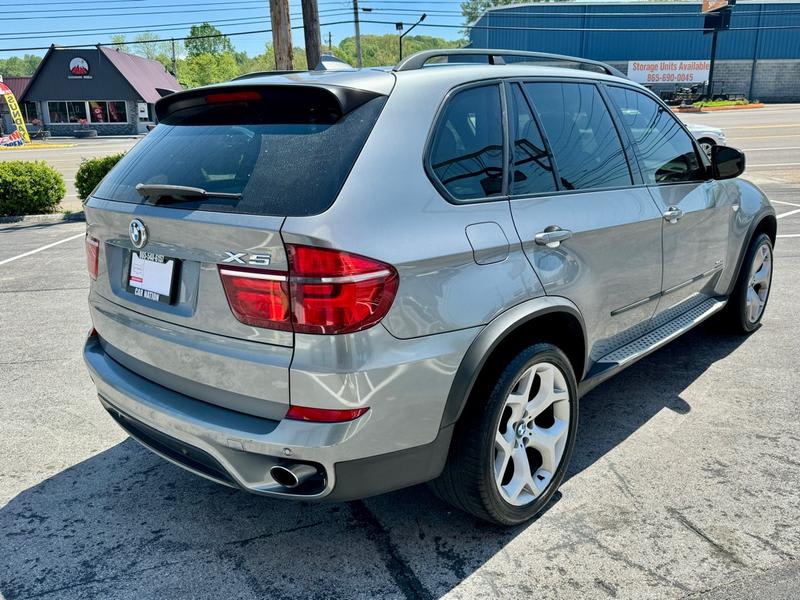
pixel 155 27
pixel 599 29
pixel 180 39
pixel 94 16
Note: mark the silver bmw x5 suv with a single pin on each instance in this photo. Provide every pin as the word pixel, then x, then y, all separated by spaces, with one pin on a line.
pixel 332 284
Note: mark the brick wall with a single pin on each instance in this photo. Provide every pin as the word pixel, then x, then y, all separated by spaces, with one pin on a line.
pixel 772 81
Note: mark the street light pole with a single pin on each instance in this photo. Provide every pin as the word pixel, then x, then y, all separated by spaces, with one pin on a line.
pixel 405 33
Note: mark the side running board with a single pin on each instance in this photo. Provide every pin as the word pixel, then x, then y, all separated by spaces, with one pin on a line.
pixel 628 354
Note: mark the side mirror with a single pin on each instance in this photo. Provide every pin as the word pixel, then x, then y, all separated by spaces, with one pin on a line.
pixel 726 163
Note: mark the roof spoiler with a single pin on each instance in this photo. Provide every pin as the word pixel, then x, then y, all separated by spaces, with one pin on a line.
pixel 348 99
pixel 495 57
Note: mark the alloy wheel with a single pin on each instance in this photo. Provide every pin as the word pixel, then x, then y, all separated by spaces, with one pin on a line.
pixel 758 284
pixel 532 434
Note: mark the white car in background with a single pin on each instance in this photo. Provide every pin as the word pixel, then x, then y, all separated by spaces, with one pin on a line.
pixel 707 136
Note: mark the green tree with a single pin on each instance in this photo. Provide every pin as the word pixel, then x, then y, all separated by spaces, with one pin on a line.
pixel 16 66
pixel 205 44
pixel 381 50
pixel 118 40
pixel 204 69
pixel 150 45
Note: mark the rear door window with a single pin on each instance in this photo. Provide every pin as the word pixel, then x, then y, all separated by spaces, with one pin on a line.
pixel 582 137
pixel 467 152
pixel 284 158
pixel 533 170
pixel 665 151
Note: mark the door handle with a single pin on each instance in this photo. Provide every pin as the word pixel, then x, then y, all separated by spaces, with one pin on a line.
pixel 673 214
pixel 552 236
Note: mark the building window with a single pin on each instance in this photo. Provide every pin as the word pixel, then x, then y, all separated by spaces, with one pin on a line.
pixel 117 112
pixel 94 111
pixel 76 111
pixel 58 112
pixel 31 111
pixel 108 112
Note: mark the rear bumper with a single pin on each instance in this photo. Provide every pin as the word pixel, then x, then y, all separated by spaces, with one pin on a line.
pixel 237 449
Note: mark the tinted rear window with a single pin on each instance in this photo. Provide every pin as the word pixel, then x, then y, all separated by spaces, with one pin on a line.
pixel 286 159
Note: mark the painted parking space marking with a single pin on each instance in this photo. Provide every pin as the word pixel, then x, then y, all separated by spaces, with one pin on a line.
pixel 788 235
pixel 768 165
pixel 784 202
pixel 40 249
pixel 788 214
pixel 769 149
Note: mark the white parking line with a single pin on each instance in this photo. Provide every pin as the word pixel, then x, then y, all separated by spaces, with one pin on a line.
pixel 787 164
pixel 784 202
pixel 787 214
pixel 765 149
pixel 74 237
pixel 792 235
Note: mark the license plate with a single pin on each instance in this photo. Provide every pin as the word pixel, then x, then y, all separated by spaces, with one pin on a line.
pixel 152 276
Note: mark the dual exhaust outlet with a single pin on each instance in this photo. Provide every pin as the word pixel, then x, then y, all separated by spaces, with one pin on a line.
pixel 292 476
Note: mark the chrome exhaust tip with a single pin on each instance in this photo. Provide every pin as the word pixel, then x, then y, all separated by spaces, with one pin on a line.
pixel 291 476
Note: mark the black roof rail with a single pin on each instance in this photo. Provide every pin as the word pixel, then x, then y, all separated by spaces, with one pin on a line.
pixel 495 57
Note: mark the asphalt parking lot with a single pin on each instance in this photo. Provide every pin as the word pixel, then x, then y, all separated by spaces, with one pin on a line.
pixel 684 482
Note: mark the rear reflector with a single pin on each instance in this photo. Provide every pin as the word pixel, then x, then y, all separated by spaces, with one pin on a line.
pixel 258 298
pixel 92 255
pixel 324 415
pixel 325 292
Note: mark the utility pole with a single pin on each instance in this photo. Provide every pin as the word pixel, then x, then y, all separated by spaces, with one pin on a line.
pixel 311 32
pixel 330 42
pixel 359 58
pixel 174 60
pixel 281 34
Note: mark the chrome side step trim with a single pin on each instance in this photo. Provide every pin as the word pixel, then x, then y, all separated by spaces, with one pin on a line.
pixel 622 357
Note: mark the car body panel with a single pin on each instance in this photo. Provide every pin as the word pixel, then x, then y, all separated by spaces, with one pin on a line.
pixel 609 228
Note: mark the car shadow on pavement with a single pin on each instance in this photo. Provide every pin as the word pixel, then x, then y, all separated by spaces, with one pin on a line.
pixel 126 524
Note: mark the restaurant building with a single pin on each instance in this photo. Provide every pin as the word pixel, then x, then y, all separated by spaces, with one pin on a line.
pixel 97 88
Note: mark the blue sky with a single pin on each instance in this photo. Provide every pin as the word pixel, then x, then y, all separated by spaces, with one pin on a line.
pixel 42 22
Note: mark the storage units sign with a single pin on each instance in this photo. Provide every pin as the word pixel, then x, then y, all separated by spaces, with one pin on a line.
pixel 668 71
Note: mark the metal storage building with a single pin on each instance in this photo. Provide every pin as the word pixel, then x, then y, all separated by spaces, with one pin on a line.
pixel 758 56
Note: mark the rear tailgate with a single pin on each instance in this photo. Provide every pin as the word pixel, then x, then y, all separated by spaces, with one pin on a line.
pixel 158 302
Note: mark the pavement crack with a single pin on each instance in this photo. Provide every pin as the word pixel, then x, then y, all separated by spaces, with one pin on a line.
pixel 399 570
pixel 263 536
pixel 702 534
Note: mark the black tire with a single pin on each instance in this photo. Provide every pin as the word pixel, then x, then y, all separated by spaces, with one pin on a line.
pixel 467 481
pixel 734 317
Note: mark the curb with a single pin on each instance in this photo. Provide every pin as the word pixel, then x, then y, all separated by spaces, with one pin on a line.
pixel 694 109
pixel 52 218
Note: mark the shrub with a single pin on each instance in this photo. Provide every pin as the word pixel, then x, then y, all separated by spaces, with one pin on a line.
pixel 92 171
pixel 29 188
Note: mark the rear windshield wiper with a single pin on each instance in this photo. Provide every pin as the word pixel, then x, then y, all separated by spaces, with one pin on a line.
pixel 179 193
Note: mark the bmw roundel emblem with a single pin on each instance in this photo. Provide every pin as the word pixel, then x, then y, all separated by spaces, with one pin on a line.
pixel 138 233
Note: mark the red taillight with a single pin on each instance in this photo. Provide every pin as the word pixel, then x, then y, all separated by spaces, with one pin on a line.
pixel 337 292
pixel 325 291
pixel 92 255
pixel 324 415
pixel 258 298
